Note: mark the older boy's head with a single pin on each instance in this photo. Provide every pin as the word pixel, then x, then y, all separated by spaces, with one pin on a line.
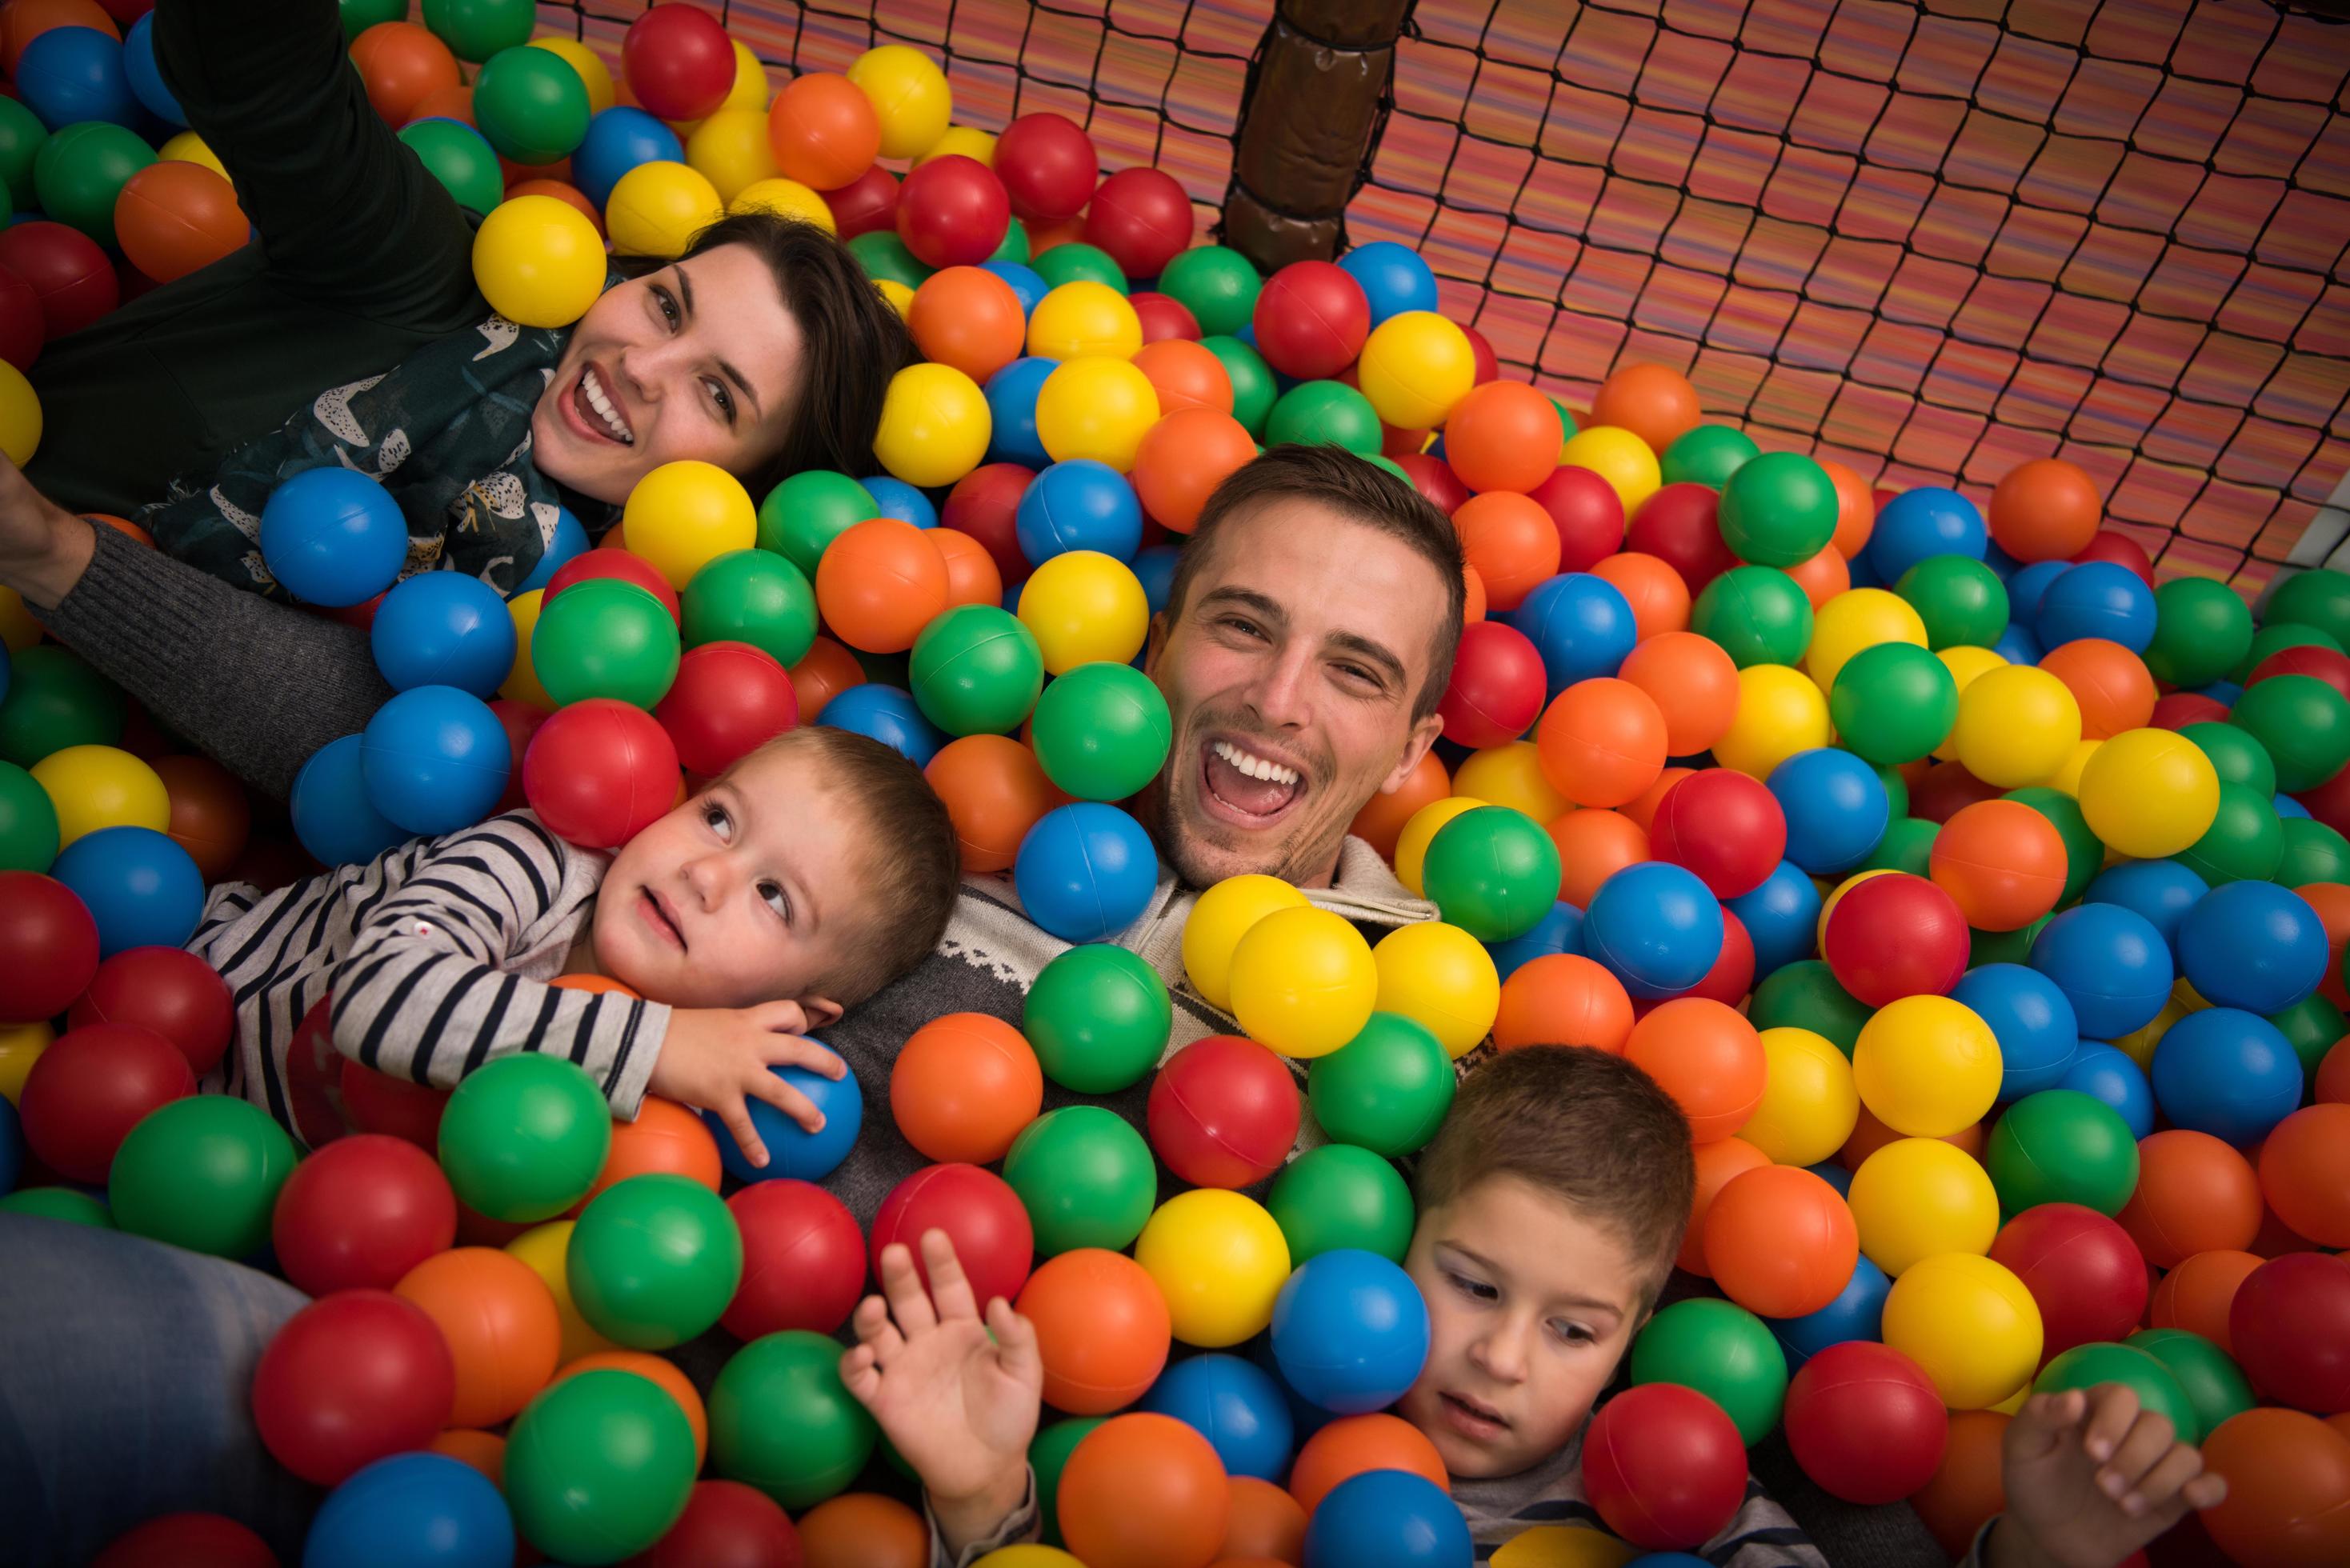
pixel 1551 1205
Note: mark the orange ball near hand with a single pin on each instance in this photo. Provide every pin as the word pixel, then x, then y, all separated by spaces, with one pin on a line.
pixel 963 1086
pixel 1144 1490
pixel 1353 1444
pixel 1103 1329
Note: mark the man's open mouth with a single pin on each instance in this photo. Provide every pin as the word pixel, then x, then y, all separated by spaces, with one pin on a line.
pixel 1254 789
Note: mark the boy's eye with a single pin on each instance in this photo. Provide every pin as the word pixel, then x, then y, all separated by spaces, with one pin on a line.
pixel 1574 1332
pixel 1475 1290
pixel 775 898
pixel 721 824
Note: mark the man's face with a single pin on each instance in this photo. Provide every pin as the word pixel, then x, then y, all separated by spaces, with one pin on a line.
pixel 1291 670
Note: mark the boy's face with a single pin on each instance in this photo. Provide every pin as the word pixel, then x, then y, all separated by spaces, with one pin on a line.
pixel 746 893
pixel 1530 1306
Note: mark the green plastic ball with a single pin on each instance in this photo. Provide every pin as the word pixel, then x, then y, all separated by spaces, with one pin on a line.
pixel 524 1136
pixel 781 1421
pixel 1723 1351
pixel 55 700
pixel 2084 852
pixel 1962 601
pixel 1708 455
pixel 1566 426
pixel 455 154
pixel 28 822
pixel 202 1173
pixel 2201 629
pixel 2278 635
pixel 1013 246
pixel 605 638
pixel 68 1205
pixel 2320 598
pixel 2311 1025
pixel 1102 731
pixel 1387 464
pixel 2244 843
pixel 1894 702
pixel 1048 1456
pixel 1216 284
pixel 1077 262
pixel 530 104
pixel 1386 1090
pixel 1253 388
pixel 884 257
pixel 1897 790
pixel 1086 1178
pixel 653 1260
pixel 2086 1366
pixel 802 516
pixel 359 15
pixel 751 595
pixel 476 30
pixel 2061 1146
pixel 1341 1195
pixel 1759 615
pixel 21 136
pixel 1325 413
pixel 1493 872
pixel 2004 947
pixel 2312 853
pixel 2215 1385
pixel 1806 994
pixel 2303 722
pixel 598 1466
pixel 2235 756
pixel 82 168
pixel 976 670
pixel 1907 845
pixel 1098 1017
pixel 1778 510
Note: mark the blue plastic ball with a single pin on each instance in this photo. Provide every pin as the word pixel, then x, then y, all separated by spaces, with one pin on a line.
pixel 1835 1174
pixel 1080 504
pixel 1560 931
pixel 2111 964
pixel 2000 562
pixel 2097 599
pixel 2224 692
pixel 1581 625
pixel 147 82
pixel 412 1511
pixel 895 498
pixel 1027 284
pixel 435 759
pixel 887 713
pixel 67 75
pixel 1928 520
pixel 791 1150
pixel 1393 276
pixel 1782 918
pixel 2038 1036
pixel 333 537
pixel 1234 1404
pixel 5 666
pixel 2252 945
pixel 2286 806
pixel 1154 568
pixel 12 1146
pixel 1393 1518
pixel 443 629
pixel 2025 589
pixel 1012 407
pixel 618 139
pixel 1858 1313
pixel 1655 926
pixel 142 889
pixel 2161 890
pixel 2228 1072
pixel 1350 1331
pixel 1835 808
pixel 1084 871
pixel 2017 645
pixel 2107 1075
pixel 333 818
pixel 1306 1418
pixel 570 539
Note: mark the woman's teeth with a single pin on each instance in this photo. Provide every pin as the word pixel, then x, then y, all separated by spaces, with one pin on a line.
pixel 593 390
pixel 1255 767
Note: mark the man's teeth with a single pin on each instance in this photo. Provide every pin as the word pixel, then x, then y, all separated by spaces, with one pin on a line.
pixel 1253 766
pixel 602 404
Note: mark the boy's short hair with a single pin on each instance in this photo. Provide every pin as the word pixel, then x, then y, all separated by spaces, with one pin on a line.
pixel 1582 1125
pixel 914 866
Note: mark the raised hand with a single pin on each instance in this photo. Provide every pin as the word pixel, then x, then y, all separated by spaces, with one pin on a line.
pixel 2090 1477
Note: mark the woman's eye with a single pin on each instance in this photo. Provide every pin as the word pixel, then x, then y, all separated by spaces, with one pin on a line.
pixel 724 399
pixel 775 898
pixel 667 306
pixel 715 816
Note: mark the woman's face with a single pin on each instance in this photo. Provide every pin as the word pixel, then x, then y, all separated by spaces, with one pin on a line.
pixel 697 360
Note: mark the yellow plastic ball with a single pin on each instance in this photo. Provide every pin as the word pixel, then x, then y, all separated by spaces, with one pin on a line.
pixel 1968 1324
pixel 909 95
pixel 2139 1043
pixel 1096 407
pixel 1219 1260
pixel 18 630
pixel 1966 664
pixel 101 786
pixel 2016 726
pixel 1835 896
pixel 1927 1066
pixel 962 141
pixel 1217 922
pixel 587 63
pixel 1303 982
pixel 189 148
pixel 1440 977
pixel 683 515
pixel 1411 844
pixel 1809 1105
pixel 522 683
pixel 1917 1198
pixel 729 150
pixel 1028 1555
pixel 1084 320
pixel 658 207
pixel 20 416
pixel 2068 777
pixel 785 198
pixel 538 261
pixel 2149 793
pixel 934 426
pixel 1414 366
pixel 749 88
pixel 21 1046
pixel 548 1249
pixel 1510 774
pixel 1854 621
pixel 1780 712
pixel 1626 462
pixel 901 297
pixel 1084 608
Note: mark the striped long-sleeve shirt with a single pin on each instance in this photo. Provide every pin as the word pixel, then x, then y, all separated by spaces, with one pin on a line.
pixel 437 955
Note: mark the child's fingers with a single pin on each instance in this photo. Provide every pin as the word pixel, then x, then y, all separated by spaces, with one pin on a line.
pixel 797 1051
pixel 2209 1490
pixel 2044 1421
pixel 1015 1342
pixel 910 1303
pixel 950 1286
pixel 859 1376
pixel 2160 1487
pixel 787 1099
pixel 737 1114
pixel 2150 1437
pixel 780 1017
pixel 876 1332
pixel 2113 1406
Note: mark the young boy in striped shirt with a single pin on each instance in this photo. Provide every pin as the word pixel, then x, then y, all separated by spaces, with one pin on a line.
pixel 810 873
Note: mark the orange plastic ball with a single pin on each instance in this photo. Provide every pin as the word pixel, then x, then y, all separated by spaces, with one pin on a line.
pixel 2045 510
pixel 1719 1164
pixel 1144 1490
pixel 1504 435
pixel 972 576
pixel 863 1530
pixel 1693 683
pixel 1602 742
pixel 1510 541
pixel 2332 1083
pixel 2195 1194
pixel 1185 376
pixel 2197 1294
pixel 1380 822
pixel 2305 1173
pixel 174 216
pixel 400 62
pixel 825 672
pixel 1655 402
pixel 1563 999
pixel 1659 599
pixel 968 317
pixel 22 21
pixel 665 1139
pixel 1353 1444
pixel 1473 596
pixel 486 1452
pixel 450 103
pixel 2288 1477
pixel 1856 508
pixel 211 817
pixel 570 196
pixel 1593 845
pixel 1643 810
pixel 2002 863
pixel 2113 685
pixel 878 584
pixel 963 1086
pixel 2332 902
pixel 823 131
pixel 1823 577
pixel 1969 1487
pixel 501 1323
pixel 995 791
pixel 1780 1242
pixel 1185 456
pixel 660 1372
pixel 1102 1329
pixel 1265 1525
pixel 1707 1057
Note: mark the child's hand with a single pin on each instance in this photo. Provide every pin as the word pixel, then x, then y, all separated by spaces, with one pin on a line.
pixel 2090 1477
pixel 961 1407
pixel 715 1057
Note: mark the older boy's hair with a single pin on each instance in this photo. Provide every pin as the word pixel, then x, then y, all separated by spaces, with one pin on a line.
pixel 1584 1125
pixel 909 877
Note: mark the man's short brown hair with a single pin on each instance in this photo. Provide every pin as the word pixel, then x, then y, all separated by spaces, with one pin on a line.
pixel 1586 1126
pixel 1366 494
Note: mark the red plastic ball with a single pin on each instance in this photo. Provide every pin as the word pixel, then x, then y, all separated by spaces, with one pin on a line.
pixel 1434 479
pixel 187 1541
pixel 1310 319
pixel 173 992
pixel 2122 550
pixel 1587 512
pixel 1048 167
pixel 1496 691
pixel 609 561
pixel 521 721
pixel 22 328
pixel 360 1213
pixel 727 1524
pixel 69 272
pixel 1664 1466
pixel 1163 316
pixel 90 1088
pixel 679 61
pixel 802 1260
pixel 379 1103
pixel 600 772
pixel 952 212
pixel 2086 1274
pixel 985 506
pixel 1895 936
pixel 2177 710
pixel 729 698
pixel 1480 348
pixel 1864 1423
pixel 350 1379
pixel 979 1214
pixel 2290 1330
pixel 1723 826
pixel 2323 663
pixel 1730 979
pixel 1679 525
pixel 1141 218
pixel 1946 790
pixel 866 204
pixel 1223 1112
pixel 49 947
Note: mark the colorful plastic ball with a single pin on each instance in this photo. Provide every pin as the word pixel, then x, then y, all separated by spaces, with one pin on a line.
pixel 2304 723
pixel 1655 927
pixel 2300 1168
pixel 360 1213
pixel 1142 1490
pixel 1892 936
pixel 979 1214
pixel 952 212
pixel 2044 510
pixel 1927 1066
pixel 333 819
pixel 1084 608
pixel 729 699
pixel 802 1260
pixel 1778 509
pixel 333 537
pixel 139 887
pixel 2088 1366
pixel 443 629
pixel 1866 1423
pixel 1341 1195
pixel 94 787
pixel 654 1260
pixel 1142 218
pixel 1325 413
pixel 88 1088
pixel 823 132
pixel 2082 1268
pixel 412 1508
pixel 1098 1017
pixel 599 771
pixel 2030 1018
pixel 1491 872
pixel 1232 1403
pixel 1916 1196
pixel 976 670
pixel 1707 1057
pixel 2202 629
pixel 1219 918
pixel 1723 1351
pixel 889 715
pixel 683 515
pixel 1856 1312
pixel 1924 521
pixel 1666 1466
pixel 934 425
pixel 203 1173
pixel 2290 1324
pixel 1387 1089
pixel 2286 1473
pixel 1758 615
pixel 1415 364
pixel 1387 1516
pixel 1893 702
pixel 1220 1260
pixel 172 218
pixel 1444 979
pixel 350 1379
pixel 963 1087
pixel 1497 690
pixel 781 1421
pixel 1780 713
pixel 2061 1146
pixel 1834 806
pixel 1961 601
pixel 1970 1324
pixel 604 638
pixel 1048 167
pixel 434 759
pixel 1081 504
pixel 1724 826
pixel 1310 319
pixel 1223 1112
pixel 2112 1077
pixel 1581 625
pixel 2002 863
pixel 524 1136
pixel 1779 1240
pixel 1302 982
pixel 2195 1194
pixel 1084 871
pixel 2098 599
pixel 2226 1072
pixel 1602 742
pixel 2253 945
pixel 1808 1104
pixel 1504 435
pixel 793 1151
pixel 1617 456
pixel 1349 1331
pixel 2110 962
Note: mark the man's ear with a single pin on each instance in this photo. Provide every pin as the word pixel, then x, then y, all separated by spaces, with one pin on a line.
pixel 1153 642
pixel 822 1011
pixel 1423 736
